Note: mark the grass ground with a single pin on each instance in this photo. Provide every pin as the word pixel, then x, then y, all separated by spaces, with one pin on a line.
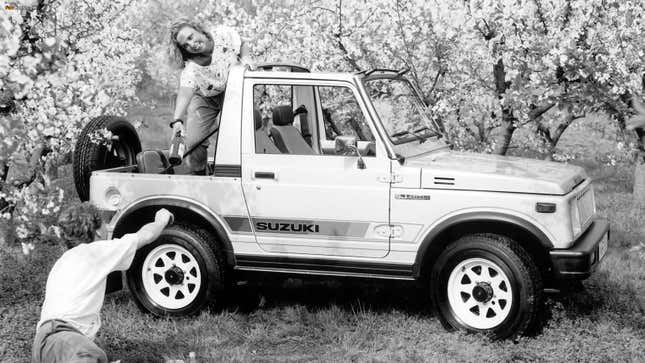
pixel 359 321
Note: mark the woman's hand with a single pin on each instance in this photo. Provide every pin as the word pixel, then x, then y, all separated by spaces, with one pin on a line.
pixel 178 127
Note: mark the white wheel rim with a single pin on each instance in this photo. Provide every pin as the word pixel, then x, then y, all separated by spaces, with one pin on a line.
pixel 479 293
pixel 171 276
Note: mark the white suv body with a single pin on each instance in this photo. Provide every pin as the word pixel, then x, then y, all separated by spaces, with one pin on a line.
pixel 394 218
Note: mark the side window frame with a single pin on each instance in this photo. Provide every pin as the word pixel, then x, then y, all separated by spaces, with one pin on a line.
pixel 363 124
pixel 320 127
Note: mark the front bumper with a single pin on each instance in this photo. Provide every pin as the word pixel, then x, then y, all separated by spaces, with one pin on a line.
pixel 581 259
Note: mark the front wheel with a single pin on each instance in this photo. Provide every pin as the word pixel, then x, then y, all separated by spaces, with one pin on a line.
pixel 487 283
pixel 179 274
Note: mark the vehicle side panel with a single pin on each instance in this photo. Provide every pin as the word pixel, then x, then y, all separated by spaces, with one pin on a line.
pixel 221 195
pixel 429 208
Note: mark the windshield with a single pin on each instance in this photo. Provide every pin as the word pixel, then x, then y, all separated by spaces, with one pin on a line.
pixel 403 115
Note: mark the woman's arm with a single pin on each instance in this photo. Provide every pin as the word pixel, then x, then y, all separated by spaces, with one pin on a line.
pixel 184 94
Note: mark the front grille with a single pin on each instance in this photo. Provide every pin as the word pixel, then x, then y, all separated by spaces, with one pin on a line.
pixel 585 206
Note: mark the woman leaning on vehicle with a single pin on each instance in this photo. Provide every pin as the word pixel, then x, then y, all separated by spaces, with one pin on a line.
pixel 204 54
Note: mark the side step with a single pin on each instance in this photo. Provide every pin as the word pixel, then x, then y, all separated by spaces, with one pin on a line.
pixel 322 267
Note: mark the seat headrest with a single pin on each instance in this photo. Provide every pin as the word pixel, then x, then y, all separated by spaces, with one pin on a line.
pixel 257 118
pixel 282 115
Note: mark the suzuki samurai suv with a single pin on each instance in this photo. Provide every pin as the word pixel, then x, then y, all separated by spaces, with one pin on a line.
pixel 344 174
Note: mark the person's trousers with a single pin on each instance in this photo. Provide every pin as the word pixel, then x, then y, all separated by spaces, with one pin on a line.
pixel 57 341
pixel 202 119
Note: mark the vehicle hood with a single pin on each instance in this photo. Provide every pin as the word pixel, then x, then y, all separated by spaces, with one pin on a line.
pixel 484 172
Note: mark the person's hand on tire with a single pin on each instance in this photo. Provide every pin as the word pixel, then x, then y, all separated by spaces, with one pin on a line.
pixel 178 127
pixel 164 217
pixel 151 231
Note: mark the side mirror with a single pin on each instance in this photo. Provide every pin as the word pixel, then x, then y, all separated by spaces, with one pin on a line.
pixel 348 145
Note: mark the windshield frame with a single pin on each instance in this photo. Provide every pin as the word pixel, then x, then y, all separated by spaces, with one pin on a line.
pixel 433 137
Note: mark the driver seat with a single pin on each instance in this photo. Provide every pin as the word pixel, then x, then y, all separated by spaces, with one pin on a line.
pixel 287 138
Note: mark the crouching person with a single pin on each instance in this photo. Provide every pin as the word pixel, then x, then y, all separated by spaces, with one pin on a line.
pixel 75 288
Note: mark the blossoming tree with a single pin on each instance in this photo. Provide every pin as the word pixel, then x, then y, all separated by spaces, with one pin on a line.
pixel 486 68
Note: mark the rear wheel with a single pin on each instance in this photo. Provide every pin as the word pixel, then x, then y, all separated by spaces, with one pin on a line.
pixel 487 283
pixel 179 274
pixel 90 155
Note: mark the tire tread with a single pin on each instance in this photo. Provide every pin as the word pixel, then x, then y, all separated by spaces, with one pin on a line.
pixel 86 153
pixel 217 277
pixel 522 260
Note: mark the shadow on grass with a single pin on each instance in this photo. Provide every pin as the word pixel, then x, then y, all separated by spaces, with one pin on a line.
pixel 347 294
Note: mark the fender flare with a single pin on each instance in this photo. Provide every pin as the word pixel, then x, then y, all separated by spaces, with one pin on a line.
pixel 176 205
pixel 477 217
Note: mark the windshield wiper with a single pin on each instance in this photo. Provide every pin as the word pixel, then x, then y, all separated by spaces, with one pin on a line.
pixel 414 133
pixel 432 133
pixel 407 132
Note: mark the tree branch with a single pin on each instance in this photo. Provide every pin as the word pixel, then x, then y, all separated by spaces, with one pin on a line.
pixel 339 40
pixel 537 112
pixel 407 48
pixel 559 130
pixel 439 74
pixel 540 15
pixel 568 10
pixel 543 130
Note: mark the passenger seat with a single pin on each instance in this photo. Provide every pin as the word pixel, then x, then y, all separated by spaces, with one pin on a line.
pixel 287 138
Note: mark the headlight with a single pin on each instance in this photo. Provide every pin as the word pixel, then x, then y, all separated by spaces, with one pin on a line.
pixel 575 217
pixel 583 209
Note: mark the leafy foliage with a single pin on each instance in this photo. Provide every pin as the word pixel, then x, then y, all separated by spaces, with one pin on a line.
pixel 486 68
pixel 69 61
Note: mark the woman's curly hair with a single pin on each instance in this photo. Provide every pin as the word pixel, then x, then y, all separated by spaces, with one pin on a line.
pixel 78 224
pixel 177 55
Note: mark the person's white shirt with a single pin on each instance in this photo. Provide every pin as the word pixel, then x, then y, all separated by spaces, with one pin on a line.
pixel 76 284
pixel 210 80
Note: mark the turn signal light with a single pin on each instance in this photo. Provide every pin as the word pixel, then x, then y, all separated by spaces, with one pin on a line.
pixel 545 207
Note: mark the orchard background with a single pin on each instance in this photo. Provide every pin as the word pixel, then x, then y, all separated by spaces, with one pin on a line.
pixel 554 79
pixel 497 75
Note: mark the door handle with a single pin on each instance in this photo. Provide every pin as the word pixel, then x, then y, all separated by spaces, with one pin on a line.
pixel 264 175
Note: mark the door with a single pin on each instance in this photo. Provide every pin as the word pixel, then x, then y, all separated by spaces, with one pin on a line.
pixel 305 199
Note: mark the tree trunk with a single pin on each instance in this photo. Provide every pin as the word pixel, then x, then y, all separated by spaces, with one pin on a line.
pixel 639 169
pixel 6 228
pixel 4 170
pixel 552 138
pixel 639 180
pixel 638 190
pixel 504 140
pixel 508 120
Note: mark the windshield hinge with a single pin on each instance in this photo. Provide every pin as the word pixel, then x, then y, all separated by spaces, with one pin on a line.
pixel 392 178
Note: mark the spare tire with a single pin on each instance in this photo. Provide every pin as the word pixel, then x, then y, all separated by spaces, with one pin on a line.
pixel 89 155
